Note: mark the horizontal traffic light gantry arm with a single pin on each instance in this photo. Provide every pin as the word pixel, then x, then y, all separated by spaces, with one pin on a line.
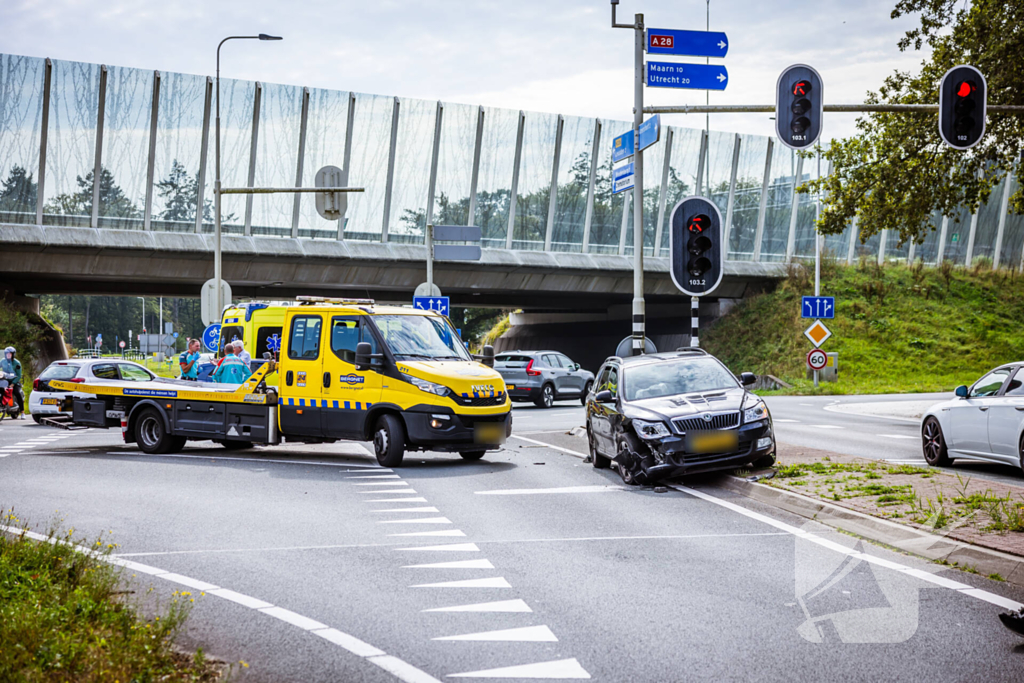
pixel 848 108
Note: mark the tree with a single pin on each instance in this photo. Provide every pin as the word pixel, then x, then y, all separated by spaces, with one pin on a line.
pixel 896 172
pixel 18 192
pixel 180 193
pixel 113 201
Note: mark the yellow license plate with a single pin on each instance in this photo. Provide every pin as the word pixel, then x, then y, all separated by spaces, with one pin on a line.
pixel 510 387
pixel 712 442
pixel 489 432
pixel 51 402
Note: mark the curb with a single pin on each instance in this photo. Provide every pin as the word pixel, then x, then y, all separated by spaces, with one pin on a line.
pixel 908 539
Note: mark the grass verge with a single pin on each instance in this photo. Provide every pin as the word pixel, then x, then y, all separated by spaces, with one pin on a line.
pixel 65 615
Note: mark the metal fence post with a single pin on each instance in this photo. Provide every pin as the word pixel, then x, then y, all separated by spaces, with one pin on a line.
pixel 971 236
pixel 147 219
pixel 910 252
pixel 852 247
pixel 731 197
pixel 97 169
pixel 303 120
pixel 475 174
pixel 663 193
pixel 514 190
pixel 791 237
pixel 44 130
pixel 883 237
pixel 432 183
pixel 203 151
pixel 588 218
pixel 626 199
pixel 389 183
pixel 702 155
pixel 1004 206
pixel 347 158
pixel 942 240
pixel 253 145
pixel 762 207
pixel 553 191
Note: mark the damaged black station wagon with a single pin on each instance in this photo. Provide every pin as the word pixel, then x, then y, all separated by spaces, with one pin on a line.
pixel 669 414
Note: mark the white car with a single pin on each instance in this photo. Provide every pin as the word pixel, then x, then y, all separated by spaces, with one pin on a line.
pixel 985 421
pixel 45 400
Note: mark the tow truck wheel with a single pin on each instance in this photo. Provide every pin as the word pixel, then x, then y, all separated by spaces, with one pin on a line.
pixel 389 441
pixel 472 455
pixel 152 436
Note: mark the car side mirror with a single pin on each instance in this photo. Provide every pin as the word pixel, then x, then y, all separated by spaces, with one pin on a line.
pixel 962 391
pixel 266 355
pixel 604 396
pixel 575 367
pixel 365 356
pixel 748 378
pixel 487 357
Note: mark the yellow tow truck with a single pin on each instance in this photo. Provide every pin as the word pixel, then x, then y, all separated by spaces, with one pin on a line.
pixel 348 370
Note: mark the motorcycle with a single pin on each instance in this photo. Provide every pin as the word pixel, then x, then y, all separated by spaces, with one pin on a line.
pixel 8 404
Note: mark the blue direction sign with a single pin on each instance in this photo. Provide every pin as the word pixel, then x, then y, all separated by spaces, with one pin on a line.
pixel 431 303
pixel 650 131
pixel 692 76
pixel 211 335
pixel 667 41
pixel 623 178
pixel 818 307
pixel 622 146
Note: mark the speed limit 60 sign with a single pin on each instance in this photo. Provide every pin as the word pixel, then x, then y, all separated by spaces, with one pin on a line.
pixel 817 359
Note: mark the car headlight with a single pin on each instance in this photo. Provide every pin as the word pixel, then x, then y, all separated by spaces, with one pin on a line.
pixel 429 387
pixel 650 430
pixel 758 412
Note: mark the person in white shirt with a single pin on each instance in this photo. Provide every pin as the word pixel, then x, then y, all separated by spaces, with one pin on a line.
pixel 242 354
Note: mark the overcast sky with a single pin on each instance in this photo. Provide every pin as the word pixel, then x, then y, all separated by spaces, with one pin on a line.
pixel 543 55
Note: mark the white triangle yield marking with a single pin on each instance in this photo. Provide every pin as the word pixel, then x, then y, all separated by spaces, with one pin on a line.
pixel 458 564
pixel 559 668
pixel 374 476
pixel 456 547
pixel 496 582
pixel 397 500
pixel 498 606
pixel 445 532
pixel 421 520
pixel 526 634
pixel 424 509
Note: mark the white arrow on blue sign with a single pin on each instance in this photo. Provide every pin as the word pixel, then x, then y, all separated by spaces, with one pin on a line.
pixel 818 307
pixel 690 76
pixel 623 178
pixel 669 41
pixel 431 303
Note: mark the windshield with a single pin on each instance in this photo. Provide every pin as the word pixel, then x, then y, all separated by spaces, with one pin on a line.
pixel 421 337
pixel 685 376
pixel 60 372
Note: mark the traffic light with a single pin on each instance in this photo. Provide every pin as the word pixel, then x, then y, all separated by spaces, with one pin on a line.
pixel 962 107
pixel 798 106
pixel 695 246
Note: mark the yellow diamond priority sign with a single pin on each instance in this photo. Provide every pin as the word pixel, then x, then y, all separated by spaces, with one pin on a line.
pixel 817 333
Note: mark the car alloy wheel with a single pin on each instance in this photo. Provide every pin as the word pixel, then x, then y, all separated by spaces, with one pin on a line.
pixel 933 444
pixel 548 396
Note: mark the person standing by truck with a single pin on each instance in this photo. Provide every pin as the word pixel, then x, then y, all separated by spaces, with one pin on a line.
pixel 9 365
pixel 189 361
pixel 232 370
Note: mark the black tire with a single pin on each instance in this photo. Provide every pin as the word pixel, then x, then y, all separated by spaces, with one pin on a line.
pixel 472 455
pixel 586 392
pixel 152 435
pixel 389 440
pixel 596 459
pixel 933 443
pixel 1020 450
pixel 38 419
pixel 236 445
pixel 546 399
pixel 765 461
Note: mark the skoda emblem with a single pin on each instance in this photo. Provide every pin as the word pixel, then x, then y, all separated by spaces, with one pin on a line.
pixel 707 417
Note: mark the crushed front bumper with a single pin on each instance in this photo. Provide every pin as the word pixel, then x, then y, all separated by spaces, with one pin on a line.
pixel 674 460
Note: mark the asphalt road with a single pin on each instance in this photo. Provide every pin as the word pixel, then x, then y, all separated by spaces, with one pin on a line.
pixel 569 574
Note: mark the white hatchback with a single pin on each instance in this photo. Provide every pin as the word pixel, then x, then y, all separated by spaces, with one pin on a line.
pixel 985 421
pixel 45 400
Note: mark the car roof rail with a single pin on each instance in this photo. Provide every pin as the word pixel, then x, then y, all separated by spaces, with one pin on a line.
pixel 691 349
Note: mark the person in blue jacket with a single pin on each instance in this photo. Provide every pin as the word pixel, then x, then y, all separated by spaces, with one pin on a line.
pixel 232 370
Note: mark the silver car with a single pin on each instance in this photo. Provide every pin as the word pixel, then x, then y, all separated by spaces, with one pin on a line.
pixel 45 400
pixel 543 377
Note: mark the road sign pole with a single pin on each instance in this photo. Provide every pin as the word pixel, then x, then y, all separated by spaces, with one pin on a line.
pixel 694 320
pixel 817 246
pixel 638 188
pixel 430 258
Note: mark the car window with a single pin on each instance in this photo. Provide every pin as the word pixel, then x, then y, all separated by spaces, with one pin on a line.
pixel 345 334
pixel 512 360
pixel 551 361
pixel 60 372
pixel 267 339
pixel 105 371
pixel 990 384
pixel 133 373
pixel 654 380
pixel 1016 385
pixel 305 338
pixel 230 333
pixel 609 380
pixel 566 363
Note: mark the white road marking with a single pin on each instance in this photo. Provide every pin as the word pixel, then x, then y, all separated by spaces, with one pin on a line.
pixel 400 669
pixel 454 547
pixel 899 436
pixel 418 520
pixel 808 536
pixel 392 484
pixel 498 606
pixel 374 476
pixel 460 564
pixel 525 634
pixel 560 668
pixel 562 489
pixel 547 445
pixel 229 458
pixel 444 532
pixel 809 405
pixel 827 426
pixel 387 492
pixel 496 582
pixel 779 419
pixel 397 500
pixel 425 509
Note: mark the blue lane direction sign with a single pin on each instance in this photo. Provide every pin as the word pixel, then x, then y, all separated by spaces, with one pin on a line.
pixel 211 335
pixel 431 303
pixel 622 146
pixel 650 131
pixel 818 307
pixel 668 41
pixel 623 177
pixel 691 76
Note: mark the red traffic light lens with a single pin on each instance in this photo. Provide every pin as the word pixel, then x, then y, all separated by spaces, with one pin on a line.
pixel 801 88
pixel 698 223
pixel 966 88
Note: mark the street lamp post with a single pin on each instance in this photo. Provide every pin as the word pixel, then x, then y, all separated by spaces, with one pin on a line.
pixel 216 191
pixel 143 299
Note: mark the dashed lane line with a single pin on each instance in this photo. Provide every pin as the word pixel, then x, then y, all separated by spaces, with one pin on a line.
pixel 417 520
pixel 525 634
pixel 496 606
pixel 422 509
pixel 399 668
pixel 448 547
pixel 899 436
pixel 493 582
pixel 459 564
pixel 547 445
pixel 228 458
pixel 442 532
pixel 397 500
